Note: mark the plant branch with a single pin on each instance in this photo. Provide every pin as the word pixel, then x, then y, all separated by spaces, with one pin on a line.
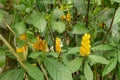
pixel 108 31
pixel 13 52
pixel 87 15
pixel 43 70
pixel 6 24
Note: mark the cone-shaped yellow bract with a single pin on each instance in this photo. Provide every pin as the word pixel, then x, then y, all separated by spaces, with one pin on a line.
pixel 68 17
pixel 85 45
pixel 57 45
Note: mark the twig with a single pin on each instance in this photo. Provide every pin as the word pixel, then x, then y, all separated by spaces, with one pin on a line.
pixel 43 70
pixel 87 15
pixel 13 52
pixel 104 39
pixel 9 27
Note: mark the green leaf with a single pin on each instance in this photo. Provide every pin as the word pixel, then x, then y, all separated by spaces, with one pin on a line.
pixel 38 21
pixel 98 59
pixel 1 15
pixel 73 50
pixel 103 47
pixel 75 64
pixel 34 72
pixel 59 27
pixel 117 16
pixel 35 54
pixel 19 27
pixel 118 52
pixel 20 7
pixel 109 67
pixel 58 13
pixel 118 1
pixel 54 54
pixel 80 5
pixel 12 75
pixel 2 57
pixel 57 70
pixel 88 72
pixel 79 29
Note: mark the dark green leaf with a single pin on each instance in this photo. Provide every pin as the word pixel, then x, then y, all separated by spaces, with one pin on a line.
pixel 38 21
pixel 34 72
pixel 12 75
pixel 88 72
pixel 109 67
pixel 118 52
pixel 73 50
pixel 19 27
pixel 35 54
pixel 58 13
pixel 2 57
pixel 80 5
pixel 54 54
pixel 118 1
pixel 57 70
pixel 79 29
pixel 75 64
pixel 98 59
pixel 103 47
pixel 117 16
pixel 59 27
pixel 1 15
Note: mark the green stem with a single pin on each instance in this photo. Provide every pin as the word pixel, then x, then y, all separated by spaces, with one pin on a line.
pixel 87 15
pixel 108 31
pixel 13 52
pixel 43 70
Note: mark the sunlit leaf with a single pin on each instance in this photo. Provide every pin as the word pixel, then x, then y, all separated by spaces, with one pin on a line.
pixel 103 47
pixel 57 70
pixel 59 27
pixel 19 27
pixel 109 67
pixel 34 72
pixel 88 72
pixel 73 50
pixel 79 29
pixel 117 16
pixel 75 64
pixel 98 59
pixel 12 75
pixel 2 57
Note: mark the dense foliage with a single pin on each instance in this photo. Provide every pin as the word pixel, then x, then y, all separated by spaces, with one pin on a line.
pixel 59 40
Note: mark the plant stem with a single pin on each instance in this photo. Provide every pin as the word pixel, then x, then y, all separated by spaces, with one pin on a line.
pixel 108 31
pixel 43 70
pixel 9 27
pixel 87 15
pixel 13 52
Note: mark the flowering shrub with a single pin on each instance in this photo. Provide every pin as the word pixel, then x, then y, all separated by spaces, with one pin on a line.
pixel 59 40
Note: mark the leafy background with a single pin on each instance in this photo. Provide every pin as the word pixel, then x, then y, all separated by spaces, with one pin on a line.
pixel 99 18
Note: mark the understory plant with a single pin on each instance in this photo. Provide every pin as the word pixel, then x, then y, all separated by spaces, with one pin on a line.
pixel 59 40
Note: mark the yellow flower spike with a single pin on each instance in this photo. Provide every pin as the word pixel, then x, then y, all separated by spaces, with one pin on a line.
pixel 102 25
pixel 34 64
pixel 37 45
pixel 63 17
pixel 58 45
pixel 23 49
pixel 40 44
pixel 22 37
pixel 85 45
pixel 61 7
pixel 68 17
